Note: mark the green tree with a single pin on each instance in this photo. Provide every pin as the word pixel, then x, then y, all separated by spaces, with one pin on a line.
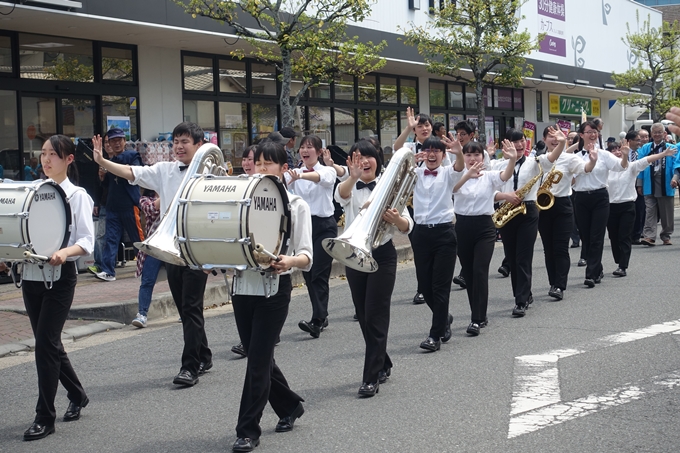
pixel 479 35
pixel 654 66
pixel 303 37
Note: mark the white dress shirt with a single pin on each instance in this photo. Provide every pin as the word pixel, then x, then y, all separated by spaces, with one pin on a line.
pixel 526 171
pixel 570 165
pixel 432 203
pixel 318 195
pixel 356 201
pixel 622 183
pixel 301 234
pixel 597 179
pixel 165 178
pixel 476 196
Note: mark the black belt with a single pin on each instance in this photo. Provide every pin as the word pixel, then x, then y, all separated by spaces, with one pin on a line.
pixel 434 225
pixel 601 189
pixel 530 202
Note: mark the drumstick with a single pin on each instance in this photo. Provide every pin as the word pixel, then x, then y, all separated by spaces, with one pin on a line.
pixel 29 255
pixel 260 248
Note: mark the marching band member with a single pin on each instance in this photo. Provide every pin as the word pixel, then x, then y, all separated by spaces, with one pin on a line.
pixel 314 183
pixel 622 196
pixel 186 285
pixel 519 233
pixel 434 237
pixel 556 224
pixel 591 199
pixel 473 203
pixel 371 292
pixel 260 319
pixel 48 309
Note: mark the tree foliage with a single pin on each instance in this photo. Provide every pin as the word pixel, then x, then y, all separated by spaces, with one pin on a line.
pixel 304 38
pixel 480 36
pixel 654 65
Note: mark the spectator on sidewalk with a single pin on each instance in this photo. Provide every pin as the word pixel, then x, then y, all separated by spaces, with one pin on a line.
pixel 99 212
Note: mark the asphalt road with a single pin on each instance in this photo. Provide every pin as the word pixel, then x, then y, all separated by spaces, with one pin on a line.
pixel 456 400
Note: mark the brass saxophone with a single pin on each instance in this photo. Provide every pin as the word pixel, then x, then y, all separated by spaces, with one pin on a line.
pixel 544 198
pixel 507 211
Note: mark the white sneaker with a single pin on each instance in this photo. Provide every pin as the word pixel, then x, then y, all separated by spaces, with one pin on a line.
pixel 139 321
pixel 106 277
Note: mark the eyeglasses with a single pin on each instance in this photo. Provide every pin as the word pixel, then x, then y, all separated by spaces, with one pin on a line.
pixel 431 150
pixel 590 132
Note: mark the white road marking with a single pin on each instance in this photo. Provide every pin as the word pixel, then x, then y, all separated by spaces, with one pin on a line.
pixel 536 400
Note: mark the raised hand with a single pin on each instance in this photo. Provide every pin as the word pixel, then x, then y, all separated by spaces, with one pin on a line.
pixel 475 170
pixel 509 150
pixel 592 151
pixel 674 115
pixel 556 132
pixel 412 121
pixel 327 159
pixel 97 151
pixel 625 148
pixel 294 175
pixel 354 166
pixel 452 145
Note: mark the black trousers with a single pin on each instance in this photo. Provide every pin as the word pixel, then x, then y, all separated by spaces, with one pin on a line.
pixel 47 311
pixel 410 239
pixel 592 212
pixel 372 295
pixel 187 287
pixel 620 227
pixel 555 226
pixel 259 321
pixel 519 237
pixel 434 254
pixel 640 214
pixel 317 277
pixel 477 238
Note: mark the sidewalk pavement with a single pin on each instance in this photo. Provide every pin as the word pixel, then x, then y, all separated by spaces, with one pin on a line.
pixel 114 304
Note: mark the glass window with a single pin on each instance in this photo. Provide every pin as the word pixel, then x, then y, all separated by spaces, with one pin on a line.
pixel 320 91
pixel 388 131
pixel 5 54
pixel 198 74
pixel 488 97
pixel 344 128
pixel 453 120
pixel 263 119
pixel 367 89
pixel 55 58
pixel 388 90
pixel 263 79
pixel 455 96
pixel 502 98
pixel 201 113
pixel 368 123
pixel 117 64
pixel 233 77
pixel 409 91
pixel 344 88
pixel 77 117
pixel 39 118
pixel 438 118
pixel 233 131
pixel 518 97
pixel 470 99
pixel 9 128
pixel 437 94
pixel 120 106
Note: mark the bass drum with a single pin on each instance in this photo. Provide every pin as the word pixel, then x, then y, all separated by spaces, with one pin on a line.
pixel 34 217
pixel 221 219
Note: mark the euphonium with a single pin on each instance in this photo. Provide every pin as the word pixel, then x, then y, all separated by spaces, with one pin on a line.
pixel 544 198
pixel 507 211
pixel 353 247
pixel 163 243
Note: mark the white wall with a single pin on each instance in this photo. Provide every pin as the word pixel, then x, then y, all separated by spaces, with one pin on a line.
pixel 160 90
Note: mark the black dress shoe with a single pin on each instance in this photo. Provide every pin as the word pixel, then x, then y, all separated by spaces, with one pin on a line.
pixel 460 281
pixel 185 378
pixel 473 329
pixel 383 375
pixel 286 423
pixel 589 282
pixel 431 344
pixel 418 299
pixel 582 262
pixel 504 271
pixel 519 311
pixel 312 327
pixel 598 280
pixel 355 317
pixel 203 367
pixel 37 431
pixel 73 411
pixel 620 272
pixel 484 323
pixel 556 292
pixel 245 444
pixel 447 332
pixel 238 349
pixel 575 245
pixel 369 389
pixel 530 300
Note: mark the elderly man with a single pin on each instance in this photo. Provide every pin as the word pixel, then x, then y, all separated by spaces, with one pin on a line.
pixel 657 188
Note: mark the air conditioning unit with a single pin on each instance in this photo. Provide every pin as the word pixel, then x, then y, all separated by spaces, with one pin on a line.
pixel 632 113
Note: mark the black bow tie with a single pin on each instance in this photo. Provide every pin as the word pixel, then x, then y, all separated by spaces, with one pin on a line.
pixel 183 167
pixel 584 152
pixel 370 185
pixel 419 146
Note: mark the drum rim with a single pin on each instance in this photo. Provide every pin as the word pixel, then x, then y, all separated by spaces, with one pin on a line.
pixel 67 208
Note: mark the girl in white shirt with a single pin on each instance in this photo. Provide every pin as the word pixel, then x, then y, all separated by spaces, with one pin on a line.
pixel 371 292
pixel 260 319
pixel 314 182
pixel 473 203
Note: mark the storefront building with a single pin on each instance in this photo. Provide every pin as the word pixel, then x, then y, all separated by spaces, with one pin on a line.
pixel 79 67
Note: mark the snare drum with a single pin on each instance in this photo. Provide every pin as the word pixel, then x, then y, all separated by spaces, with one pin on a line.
pixel 34 217
pixel 221 219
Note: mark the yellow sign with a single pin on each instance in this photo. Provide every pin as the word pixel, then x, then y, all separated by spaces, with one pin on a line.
pixel 573 106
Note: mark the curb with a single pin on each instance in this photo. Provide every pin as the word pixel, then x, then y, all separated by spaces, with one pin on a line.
pixel 67 336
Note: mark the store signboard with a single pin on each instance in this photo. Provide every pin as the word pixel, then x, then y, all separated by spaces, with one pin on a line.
pixel 529 130
pixel 552 21
pixel 572 105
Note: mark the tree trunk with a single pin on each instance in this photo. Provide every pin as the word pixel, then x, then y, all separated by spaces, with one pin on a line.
pixel 481 112
pixel 287 109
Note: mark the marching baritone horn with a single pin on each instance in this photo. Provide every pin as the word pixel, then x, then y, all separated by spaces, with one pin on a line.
pixel 353 247
pixel 163 244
